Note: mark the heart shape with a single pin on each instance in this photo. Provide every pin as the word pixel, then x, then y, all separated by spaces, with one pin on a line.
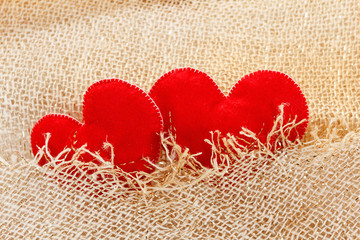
pixel 114 111
pixel 193 105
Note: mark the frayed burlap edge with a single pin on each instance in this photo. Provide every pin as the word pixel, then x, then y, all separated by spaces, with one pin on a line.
pixel 177 169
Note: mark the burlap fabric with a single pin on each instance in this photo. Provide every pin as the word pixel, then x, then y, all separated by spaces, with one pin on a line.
pixel 51 51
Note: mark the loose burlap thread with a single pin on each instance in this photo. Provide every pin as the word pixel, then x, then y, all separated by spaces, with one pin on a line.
pixel 51 51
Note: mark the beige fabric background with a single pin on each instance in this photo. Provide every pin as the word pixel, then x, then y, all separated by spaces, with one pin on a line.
pixel 51 51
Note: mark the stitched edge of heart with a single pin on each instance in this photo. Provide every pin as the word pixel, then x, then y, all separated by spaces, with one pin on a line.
pixel 302 96
pixel 146 95
pixel 52 115
pixel 277 72
pixel 98 83
pixel 191 177
pixel 184 69
pixel 44 118
pixel 237 84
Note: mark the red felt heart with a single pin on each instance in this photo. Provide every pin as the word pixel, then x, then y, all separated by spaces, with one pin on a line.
pixel 193 105
pixel 114 111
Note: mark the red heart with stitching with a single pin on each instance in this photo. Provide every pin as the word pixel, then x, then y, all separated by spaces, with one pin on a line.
pixel 114 111
pixel 193 105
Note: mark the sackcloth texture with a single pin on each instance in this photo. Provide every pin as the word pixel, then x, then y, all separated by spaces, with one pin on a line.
pixel 52 51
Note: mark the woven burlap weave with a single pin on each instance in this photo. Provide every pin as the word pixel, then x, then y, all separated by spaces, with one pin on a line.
pixel 51 51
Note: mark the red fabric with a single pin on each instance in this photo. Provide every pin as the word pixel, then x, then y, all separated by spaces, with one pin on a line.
pixel 192 105
pixel 61 127
pixel 115 112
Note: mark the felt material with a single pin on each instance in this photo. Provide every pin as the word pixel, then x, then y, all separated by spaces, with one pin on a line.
pixel 192 105
pixel 62 129
pixel 115 112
